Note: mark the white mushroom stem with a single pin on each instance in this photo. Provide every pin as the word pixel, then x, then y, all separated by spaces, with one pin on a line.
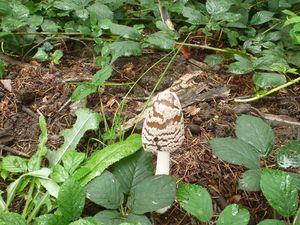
pixel 163 163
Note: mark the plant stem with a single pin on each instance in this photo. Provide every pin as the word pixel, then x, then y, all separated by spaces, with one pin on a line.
pixel 29 199
pixel 37 208
pixel 269 92
pixel 201 46
pixel 163 163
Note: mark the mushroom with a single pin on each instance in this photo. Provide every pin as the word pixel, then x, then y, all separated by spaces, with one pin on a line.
pixel 163 129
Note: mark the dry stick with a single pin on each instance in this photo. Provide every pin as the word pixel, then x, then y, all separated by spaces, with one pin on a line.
pixel 13 151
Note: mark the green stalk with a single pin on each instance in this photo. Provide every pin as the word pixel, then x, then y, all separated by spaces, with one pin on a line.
pixel 269 92
pixel 29 199
pixel 37 208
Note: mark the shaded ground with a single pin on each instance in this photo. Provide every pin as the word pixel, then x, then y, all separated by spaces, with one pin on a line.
pixel 46 89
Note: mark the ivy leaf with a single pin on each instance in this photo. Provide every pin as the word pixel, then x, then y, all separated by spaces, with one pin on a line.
pixel 267 80
pixel 215 6
pixel 83 90
pixel 234 215
pixel 242 66
pixel 280 191
pixel 250 180
pixel 56 56
pixel 261 17
pixel 161 39
pixel 41 54
pixel 289 155
pixel 124 48
pixel 49 26
pixel 124 31
pixel 86 120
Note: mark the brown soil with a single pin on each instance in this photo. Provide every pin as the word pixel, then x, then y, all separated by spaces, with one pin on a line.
pixel 44 88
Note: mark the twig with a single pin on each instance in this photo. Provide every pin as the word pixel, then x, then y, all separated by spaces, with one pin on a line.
pixel 29 112
pixel 13 151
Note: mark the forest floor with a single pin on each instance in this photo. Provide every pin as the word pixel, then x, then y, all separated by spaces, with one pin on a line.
pixel 32 88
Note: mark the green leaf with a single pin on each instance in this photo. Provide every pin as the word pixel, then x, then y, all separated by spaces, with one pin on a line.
pixel 59 174
pixel 83 90
pixel 261 17
pixel 49 26
pixel 138 219
pixel 267 80
pixel 56 56
pixel 19 11
pixel 213 60
pixel 242 66
pixel 296 179
pixel 194 16
pixel 162 40
pixel 256 133
pixel 86 120
pixel 72 160
pixel 82 14
pixel 85 221
pixel 110 194
pixel 50 219
pixel 271 222
pixel 109 217
pixel 195 200
pixel 124 31
pixel 71 199
pixel 102 75
pixel 10 218
pixel 235 151
pixel 41 54
pixel 14 164
pixel 133 169
pixel 35 20
pixel 100 11
pixel 152 193
pixel 69 5
pixel 289 155
pixel 2 69
pixel 124 48
pixel 250 181
pixel 234 215
pixel 280 191
pixel 2 203
pixel 102 158
pixel 297 218
pixel 215 6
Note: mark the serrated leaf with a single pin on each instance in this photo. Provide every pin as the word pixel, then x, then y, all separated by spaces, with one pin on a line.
pixel 41 54
pixel 102 158
pixel 14 164
pixel 59 174
pixel 110 194
pixel 124 48
pixel 215 6
pixel 271 222
pixel 83 90
pixel 70 200
pixel 102 75
pixel 152 193
pixel 56 56
pixel 195 200
pixel 131 170
pixel 124 31
pixel 267 80
pixel 250 181
pixel 235 151
pixel 289 155
pixel 266 62
pixel 261 17
pixel 234 215
pixel 280 191
pixel 162 40
pixel 194 16
pixel 242 66
pixel 255 132
pixel 50 219
pixel 71 160
pixel 10 218
pixel 86 120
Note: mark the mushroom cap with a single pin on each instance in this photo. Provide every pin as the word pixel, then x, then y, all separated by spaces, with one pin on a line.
pixel 163 128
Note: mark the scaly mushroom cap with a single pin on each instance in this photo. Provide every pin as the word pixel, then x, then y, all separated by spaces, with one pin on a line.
pixel 163 128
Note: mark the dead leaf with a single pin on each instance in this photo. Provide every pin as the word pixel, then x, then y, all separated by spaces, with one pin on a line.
pixel 7 84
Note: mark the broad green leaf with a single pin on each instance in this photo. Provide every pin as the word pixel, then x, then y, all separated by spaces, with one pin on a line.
pixel 234 215
pixel 124 48
pixel 215 6
pixel 50 219
pixel 71 199
pixel 86 120
pixel 102 158
pixel 289 155
pixel 152 193
pixel 109 217
pixel 272 222
pixel 228 17
pixel 14 164
pixel 133 169
pixel 59 174
pixel 85 221
pixel 280 191
pixel 242 66
pixel 267 80
pixel 296 179
pixel 138 219
pixel 102 75
pixel 41 54
pixel 195 200
pixel 69 5
pixel 35 20
pixel 49 26
pixel 255 132
pixel 2 69
pixel 82 14
pixel 235 151
pixel 261 17
pixel 194 16
pixel 162 40
pixel 250 180
pixel 56 56
pixel 213 60
pixel 100 11
pixel 105 190
pixel 83 90
pixel 10 218
pixel 72 160
pixel 124 31
pixel 267 61
pixel 19 11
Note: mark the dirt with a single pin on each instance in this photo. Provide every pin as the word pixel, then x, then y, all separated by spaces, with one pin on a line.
pixel 43 88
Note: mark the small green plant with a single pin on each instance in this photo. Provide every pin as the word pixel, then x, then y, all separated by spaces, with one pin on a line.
pixel 255 140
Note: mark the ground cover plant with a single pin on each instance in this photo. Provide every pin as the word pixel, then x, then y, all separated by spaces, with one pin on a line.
pixel 259 39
